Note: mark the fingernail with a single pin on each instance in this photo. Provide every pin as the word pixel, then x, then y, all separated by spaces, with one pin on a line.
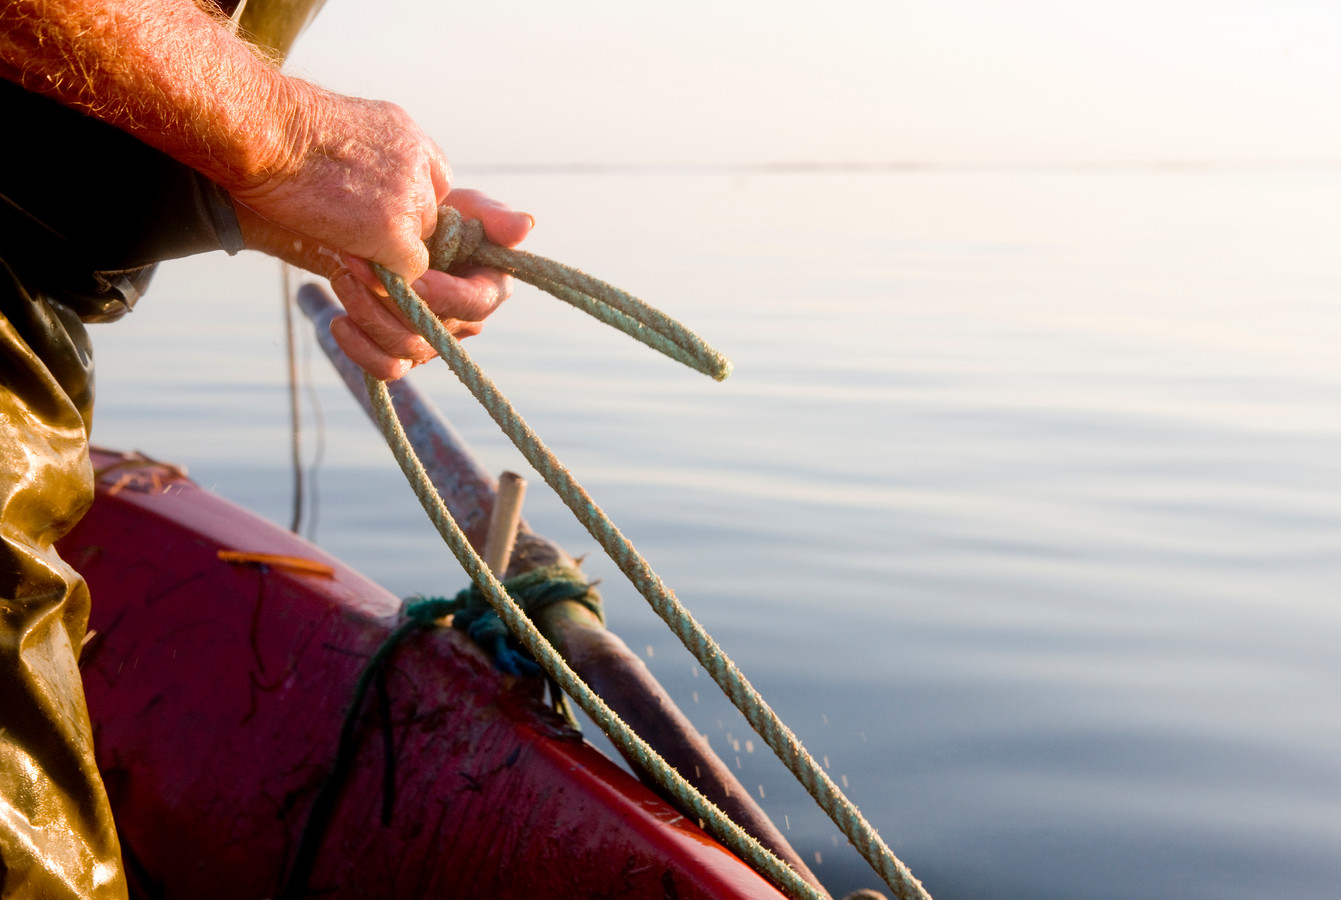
pixel 419 287
pixel 531 217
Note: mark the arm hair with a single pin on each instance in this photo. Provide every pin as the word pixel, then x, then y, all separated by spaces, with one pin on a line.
pixel 169 72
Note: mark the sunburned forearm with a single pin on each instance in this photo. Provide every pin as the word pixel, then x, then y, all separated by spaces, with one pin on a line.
pixel 162 70
pixel 316 177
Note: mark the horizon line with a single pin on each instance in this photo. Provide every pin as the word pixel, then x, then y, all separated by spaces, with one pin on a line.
pixel 783 168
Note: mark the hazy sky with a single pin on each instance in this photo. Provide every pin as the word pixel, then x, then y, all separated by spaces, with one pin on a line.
pixel 698 82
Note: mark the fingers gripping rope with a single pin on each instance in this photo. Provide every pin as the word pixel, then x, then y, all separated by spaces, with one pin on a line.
pixel 462 243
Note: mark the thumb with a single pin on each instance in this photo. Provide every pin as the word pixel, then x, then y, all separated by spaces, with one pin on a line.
pixel 410 263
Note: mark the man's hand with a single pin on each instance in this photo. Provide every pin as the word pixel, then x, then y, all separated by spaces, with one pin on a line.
pixel 356 175
pixel 322 180
pixel 374 334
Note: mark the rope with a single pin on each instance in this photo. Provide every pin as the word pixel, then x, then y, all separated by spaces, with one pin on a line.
pixel 460 238
pixel 458 243
pixel 533 591
pixel 605 718
pixel 295 405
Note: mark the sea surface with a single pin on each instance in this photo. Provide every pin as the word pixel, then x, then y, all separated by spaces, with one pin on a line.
pixel 1022 506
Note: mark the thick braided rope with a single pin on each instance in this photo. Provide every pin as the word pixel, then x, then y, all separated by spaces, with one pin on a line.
pixel 700 644
pixel 554 665
pixel 458 242
pixel 616 319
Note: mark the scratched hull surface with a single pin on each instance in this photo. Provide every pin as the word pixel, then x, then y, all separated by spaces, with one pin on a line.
pixel 217 690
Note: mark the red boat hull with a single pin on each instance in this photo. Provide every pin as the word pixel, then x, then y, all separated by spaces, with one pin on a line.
pixel 217 691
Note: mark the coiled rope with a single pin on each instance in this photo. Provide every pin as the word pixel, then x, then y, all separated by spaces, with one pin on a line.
pixel 458 243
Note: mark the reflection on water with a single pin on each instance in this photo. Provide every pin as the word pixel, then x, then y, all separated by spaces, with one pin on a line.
pixel 1023 505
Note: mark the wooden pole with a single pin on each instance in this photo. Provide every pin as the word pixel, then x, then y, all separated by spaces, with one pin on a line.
pixel 503 523
pixel 598 655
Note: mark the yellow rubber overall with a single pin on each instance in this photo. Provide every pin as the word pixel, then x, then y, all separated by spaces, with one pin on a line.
pixel 57 839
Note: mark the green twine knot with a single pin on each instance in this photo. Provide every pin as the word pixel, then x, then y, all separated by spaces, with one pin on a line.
pixel 533 591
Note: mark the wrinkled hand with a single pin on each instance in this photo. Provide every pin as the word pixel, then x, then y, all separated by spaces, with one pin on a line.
pixel 374 334
pixel 358 176
pixel 357 180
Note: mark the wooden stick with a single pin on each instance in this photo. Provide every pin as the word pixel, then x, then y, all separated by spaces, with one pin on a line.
pixel 503 523
pixel 599 656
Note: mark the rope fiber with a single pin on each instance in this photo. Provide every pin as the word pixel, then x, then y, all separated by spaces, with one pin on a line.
pixel 533 591
pixel 460 243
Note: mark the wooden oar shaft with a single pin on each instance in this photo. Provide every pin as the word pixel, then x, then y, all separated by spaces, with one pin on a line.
pixel 466 487
pixel 599 656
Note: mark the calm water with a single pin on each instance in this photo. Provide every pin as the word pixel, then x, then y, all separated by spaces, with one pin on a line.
pixel 1023 506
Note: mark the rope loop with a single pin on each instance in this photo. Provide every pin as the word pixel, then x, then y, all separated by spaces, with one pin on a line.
pixel 454 240
pixel 765 722
pixel 458 243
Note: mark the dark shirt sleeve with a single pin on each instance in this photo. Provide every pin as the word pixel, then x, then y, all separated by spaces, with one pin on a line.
pixel 86 209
